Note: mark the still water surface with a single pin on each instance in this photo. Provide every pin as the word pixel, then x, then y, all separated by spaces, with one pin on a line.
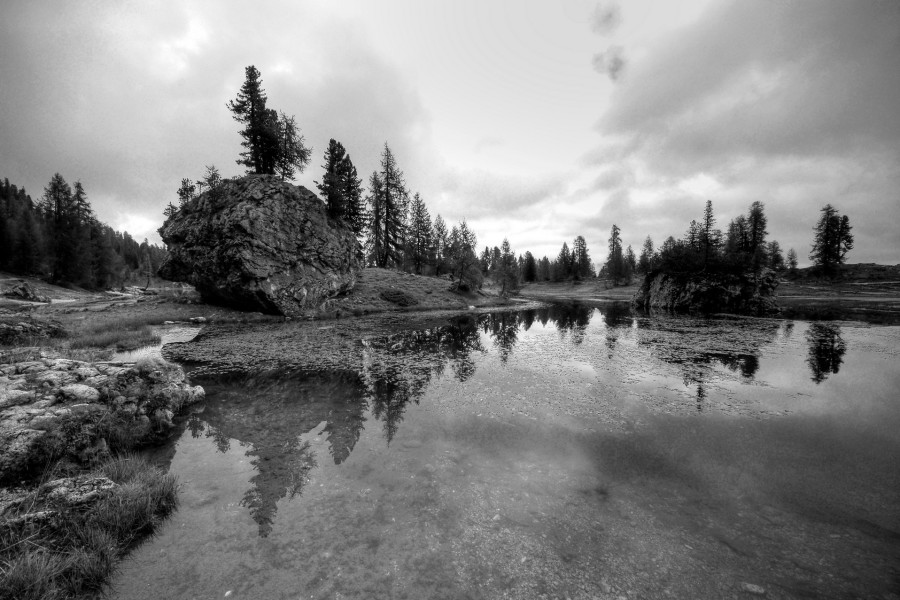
pixel 569 452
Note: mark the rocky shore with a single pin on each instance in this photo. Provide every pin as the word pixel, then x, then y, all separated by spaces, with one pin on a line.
pixel 78 412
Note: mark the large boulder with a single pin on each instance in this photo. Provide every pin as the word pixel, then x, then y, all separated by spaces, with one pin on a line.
pixel 258 243
pixel 747 294
pixel 25 291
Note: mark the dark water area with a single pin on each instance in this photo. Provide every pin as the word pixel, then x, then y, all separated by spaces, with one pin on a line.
pixel 564 452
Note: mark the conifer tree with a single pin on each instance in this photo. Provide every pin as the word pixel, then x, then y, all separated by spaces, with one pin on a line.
pixel 615 264
pixel 646 261
pixel 291 153
pixel 351 192
pixel 440 244
pixel 419 235
pixel 563 266
pixel 507 270
pixel 792 259
pixel 331 186
pixel 249 109
pixel 375 245
pixel 186 192
pixel 396 198
pixel 581 260
pixel 832 240
pixel 530 271
pixel 756 229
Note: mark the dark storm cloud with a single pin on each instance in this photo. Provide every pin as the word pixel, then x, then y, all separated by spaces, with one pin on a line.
pixel 610 62
pixel 605 18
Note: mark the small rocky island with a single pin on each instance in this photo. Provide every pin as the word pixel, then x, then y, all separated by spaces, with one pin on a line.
pixel 745 293
pixel 258 243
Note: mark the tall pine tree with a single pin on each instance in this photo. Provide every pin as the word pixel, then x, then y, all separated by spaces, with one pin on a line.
pixel 249 109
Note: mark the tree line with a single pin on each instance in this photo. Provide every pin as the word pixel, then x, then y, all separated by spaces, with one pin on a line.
pixel 395 228
pixel 60 239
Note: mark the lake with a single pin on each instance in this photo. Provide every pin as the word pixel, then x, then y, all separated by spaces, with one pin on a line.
pixel 570 451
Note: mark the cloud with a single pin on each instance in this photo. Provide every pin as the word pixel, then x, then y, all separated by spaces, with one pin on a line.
pixel 610 62
pixel 605 18
pixel 133 99
pixel 793 103
pixel 784 78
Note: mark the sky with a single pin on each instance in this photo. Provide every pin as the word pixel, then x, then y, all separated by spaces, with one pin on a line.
pixel 536 121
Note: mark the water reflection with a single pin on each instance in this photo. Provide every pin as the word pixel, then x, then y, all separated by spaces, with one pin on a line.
pixel 826 350
pixel 280 418
pixel 267 414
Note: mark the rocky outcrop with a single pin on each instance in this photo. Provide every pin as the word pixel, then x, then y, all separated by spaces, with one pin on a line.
pixel 24 291
pixel 258 243
pixel 18 329
pixel 709 293
pixel 76 410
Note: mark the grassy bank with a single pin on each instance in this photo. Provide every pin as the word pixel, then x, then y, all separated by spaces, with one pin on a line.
pixel 51 549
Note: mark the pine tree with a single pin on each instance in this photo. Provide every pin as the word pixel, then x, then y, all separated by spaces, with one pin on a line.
pixel 792 260
pixel 507 271
pixel 440 244
pixel 461 257
pixel 419 235
pixel 530 271
pixel 832 240
pixel 776 257
pixel 630 262
pixel 291 153
pixel 249 109
pixel 375 245
pixel 756 229
pixel 615 264
pixel 647 259
pixel 581 260
pixel 396 198
pixel 710 237
pixel 186 192
pixel 351 192
pixel 563 266
pixel 331 188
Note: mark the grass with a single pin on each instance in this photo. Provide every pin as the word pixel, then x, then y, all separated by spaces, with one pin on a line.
pixel 74 550
pixel 123 333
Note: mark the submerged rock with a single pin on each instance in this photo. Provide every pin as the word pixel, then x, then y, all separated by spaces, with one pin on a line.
pixel 704 292
pixel 258 243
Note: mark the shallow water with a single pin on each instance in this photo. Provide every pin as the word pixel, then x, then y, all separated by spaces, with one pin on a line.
pixel 168 334
pixel 570 452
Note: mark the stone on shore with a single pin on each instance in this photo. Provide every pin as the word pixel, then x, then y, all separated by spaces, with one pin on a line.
pixel 68 409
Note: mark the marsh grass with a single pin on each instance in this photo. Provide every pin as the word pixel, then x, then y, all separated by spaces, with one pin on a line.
pixel 68 551
pixel 126 334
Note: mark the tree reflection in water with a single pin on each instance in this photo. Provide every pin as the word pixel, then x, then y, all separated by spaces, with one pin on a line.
pixel 826 350
pixel 267 413
pixel 271 415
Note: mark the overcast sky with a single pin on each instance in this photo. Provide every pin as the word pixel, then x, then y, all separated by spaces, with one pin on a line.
pixel 536 121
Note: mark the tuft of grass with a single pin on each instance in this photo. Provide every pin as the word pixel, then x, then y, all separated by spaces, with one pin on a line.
pixel 75 551
pixel 31 576
pixel 120 339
